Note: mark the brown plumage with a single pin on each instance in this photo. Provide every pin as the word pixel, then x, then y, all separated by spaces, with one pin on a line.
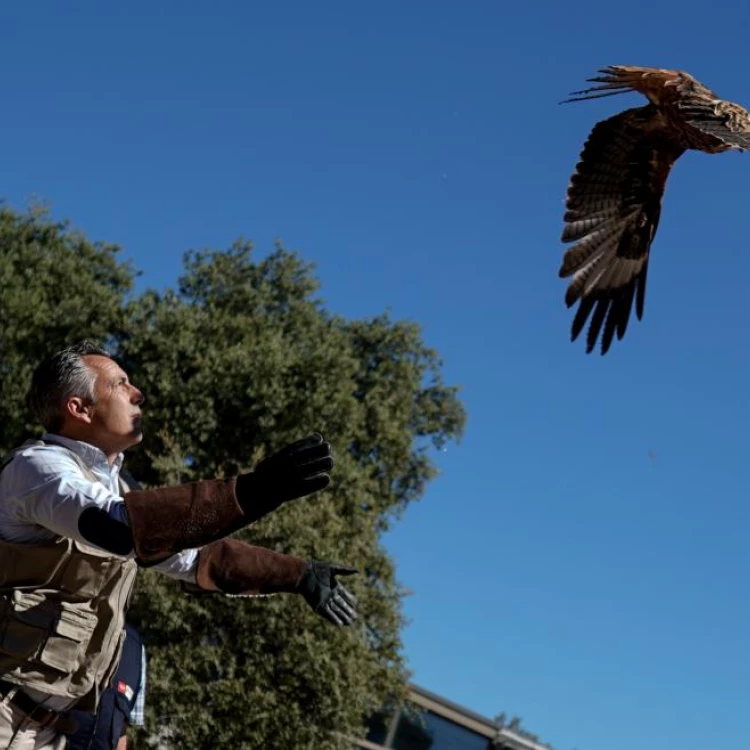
pixel 615 194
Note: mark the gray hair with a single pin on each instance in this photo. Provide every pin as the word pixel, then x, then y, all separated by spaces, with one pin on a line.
pixel 59 377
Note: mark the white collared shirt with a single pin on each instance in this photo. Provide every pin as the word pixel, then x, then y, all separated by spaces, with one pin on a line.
pixel 43 492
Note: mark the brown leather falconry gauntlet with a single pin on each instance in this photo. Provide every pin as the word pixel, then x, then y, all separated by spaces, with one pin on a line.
pixel 233 567
pixel 165 521
pixel 236 568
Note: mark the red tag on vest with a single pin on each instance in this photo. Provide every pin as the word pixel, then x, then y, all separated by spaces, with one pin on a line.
pixel 125 689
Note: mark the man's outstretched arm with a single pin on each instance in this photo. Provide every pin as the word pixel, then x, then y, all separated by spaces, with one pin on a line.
pixel 163 522
pixel 232 567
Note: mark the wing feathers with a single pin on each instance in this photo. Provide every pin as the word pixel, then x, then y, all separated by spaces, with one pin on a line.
pixel 612 212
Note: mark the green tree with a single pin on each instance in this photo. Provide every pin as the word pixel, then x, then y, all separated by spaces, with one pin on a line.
pixel 239 359
pixel 55 286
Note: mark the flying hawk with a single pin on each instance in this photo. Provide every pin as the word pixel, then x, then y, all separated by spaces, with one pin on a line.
pixel 614 198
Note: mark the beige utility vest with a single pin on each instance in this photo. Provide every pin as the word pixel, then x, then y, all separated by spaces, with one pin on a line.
pixel 62 614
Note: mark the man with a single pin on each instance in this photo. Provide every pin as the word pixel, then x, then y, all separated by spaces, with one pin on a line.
pixel 71 542
pixel 120 706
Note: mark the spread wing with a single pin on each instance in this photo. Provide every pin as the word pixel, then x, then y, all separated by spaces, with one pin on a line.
pixel 727 121
pixel 613 207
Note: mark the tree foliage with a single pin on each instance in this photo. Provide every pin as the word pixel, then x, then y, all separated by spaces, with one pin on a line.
pixel 240 358
pixel 55 286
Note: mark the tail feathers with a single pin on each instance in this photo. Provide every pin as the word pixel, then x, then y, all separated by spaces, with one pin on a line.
pixel 616 79
pixel 595 92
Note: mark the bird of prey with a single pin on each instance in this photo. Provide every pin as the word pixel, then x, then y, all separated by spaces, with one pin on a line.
pixel 615 194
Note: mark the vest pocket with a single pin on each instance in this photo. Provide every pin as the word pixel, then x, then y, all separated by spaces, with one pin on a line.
pixel 34 628
pixel 85 574
pixel 16 570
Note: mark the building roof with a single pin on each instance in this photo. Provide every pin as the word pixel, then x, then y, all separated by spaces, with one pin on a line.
pixel 471 720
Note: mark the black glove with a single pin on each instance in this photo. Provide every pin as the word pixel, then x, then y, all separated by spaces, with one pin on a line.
pixel 295 471
pixel 327 597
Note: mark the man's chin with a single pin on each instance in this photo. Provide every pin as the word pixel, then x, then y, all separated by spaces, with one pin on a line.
pixel 135 437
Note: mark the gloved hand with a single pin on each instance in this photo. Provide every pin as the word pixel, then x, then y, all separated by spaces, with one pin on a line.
pixel 299 469
pixel 327 597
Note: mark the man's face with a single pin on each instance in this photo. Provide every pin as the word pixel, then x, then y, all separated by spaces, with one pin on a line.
pixel 116 415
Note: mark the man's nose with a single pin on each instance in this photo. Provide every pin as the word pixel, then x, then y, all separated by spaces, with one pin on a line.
pixel 138 397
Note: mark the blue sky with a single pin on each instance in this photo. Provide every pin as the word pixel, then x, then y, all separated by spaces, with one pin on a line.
pixel 582 559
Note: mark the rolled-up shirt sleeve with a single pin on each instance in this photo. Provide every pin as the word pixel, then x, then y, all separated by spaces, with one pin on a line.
pixel 44 493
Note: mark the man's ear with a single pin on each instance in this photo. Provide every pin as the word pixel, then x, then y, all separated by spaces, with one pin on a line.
pixel 78 409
